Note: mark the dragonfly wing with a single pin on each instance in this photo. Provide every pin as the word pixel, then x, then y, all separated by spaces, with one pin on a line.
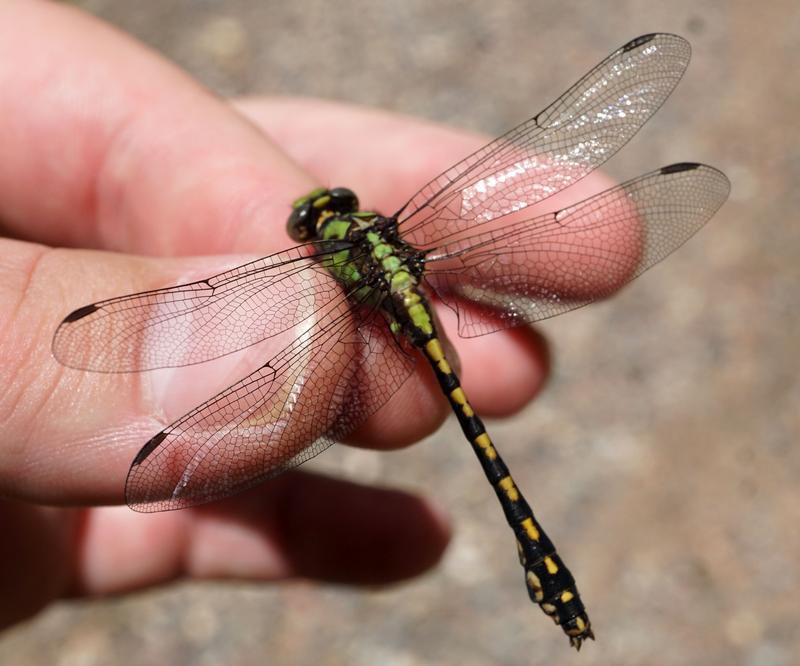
pixel 338 371
pixel 195 322
pixel 551 151
pixel 538 268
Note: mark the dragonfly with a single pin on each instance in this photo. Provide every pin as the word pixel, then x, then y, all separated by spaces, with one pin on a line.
pixel 356 296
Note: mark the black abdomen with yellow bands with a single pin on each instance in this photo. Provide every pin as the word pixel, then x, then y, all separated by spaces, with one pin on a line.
pixel 396 266
pixel 550 584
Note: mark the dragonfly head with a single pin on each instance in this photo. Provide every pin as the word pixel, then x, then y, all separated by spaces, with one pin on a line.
pixel 314 207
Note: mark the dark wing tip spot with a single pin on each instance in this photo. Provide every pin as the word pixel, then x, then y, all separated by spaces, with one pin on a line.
pixel 680 166
pixel 638 41
pixel 149 447
pixel 80 313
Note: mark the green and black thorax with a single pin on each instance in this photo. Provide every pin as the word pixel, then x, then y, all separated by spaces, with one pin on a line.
pixel 374 265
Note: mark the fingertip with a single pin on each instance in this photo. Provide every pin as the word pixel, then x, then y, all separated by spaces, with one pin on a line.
pixel 414 411
pixel 134 155
pixel 501 371
pixel 504 371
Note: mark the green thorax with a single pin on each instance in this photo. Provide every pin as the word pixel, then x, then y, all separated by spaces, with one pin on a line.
pixel 374 265
pixel 376 251
pixel 368 252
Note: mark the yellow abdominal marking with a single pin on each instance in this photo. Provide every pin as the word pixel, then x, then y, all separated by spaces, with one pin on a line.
pixel 458 397
pixel 436 354
pixel 530 529
pixel 536 585
pixel 485 443
pixel 434 350
pixel 566 596
pixel 507 484
pixel 552 567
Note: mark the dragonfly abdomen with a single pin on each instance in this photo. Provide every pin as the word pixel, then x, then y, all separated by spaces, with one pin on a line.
pixel 550 583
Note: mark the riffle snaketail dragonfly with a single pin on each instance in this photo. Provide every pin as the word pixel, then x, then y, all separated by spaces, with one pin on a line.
pixel 355 296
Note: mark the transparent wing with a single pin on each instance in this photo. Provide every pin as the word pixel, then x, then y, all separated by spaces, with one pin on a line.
pixel 554 149
pixel 196 322
pixel 337 372
pixel 537 268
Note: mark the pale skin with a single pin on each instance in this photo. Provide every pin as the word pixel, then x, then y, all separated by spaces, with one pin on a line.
pixel 119 173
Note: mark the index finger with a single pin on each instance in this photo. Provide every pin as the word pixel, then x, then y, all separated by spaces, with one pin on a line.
pixel 133 154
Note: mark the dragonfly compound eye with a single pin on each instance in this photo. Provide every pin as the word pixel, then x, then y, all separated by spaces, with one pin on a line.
pixel 301 223
pixel 343 200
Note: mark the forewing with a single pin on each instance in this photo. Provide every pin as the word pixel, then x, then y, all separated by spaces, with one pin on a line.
pixel 338 371
pixel 554 149
pixel 538 268
pixel 196 322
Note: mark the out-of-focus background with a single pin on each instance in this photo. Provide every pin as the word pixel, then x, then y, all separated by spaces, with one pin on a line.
pixel 664 456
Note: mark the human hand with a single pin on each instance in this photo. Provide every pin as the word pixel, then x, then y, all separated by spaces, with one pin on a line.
pixel 107 147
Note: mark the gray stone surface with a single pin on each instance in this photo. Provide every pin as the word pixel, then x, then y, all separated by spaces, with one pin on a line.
pixel 664 456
